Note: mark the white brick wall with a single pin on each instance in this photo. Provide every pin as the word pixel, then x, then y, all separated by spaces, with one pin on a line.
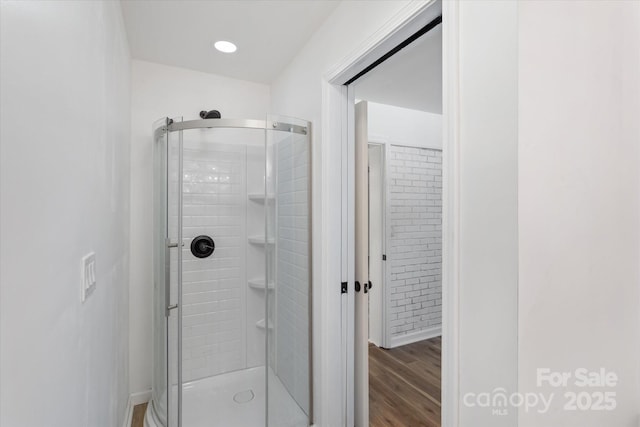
pixel 414 252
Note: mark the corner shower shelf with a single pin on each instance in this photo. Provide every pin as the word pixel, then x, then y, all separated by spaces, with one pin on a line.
pixel 259 197
pixel 259 284
pixel 260 324
pixel 260 240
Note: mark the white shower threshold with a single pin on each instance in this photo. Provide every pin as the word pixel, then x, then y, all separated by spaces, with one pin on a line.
pixel 235 399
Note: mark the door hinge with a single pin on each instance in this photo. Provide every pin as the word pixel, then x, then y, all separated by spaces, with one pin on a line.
pixel 384 257
pixel 343 288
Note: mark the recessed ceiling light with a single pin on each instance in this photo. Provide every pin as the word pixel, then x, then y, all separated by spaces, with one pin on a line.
pixel 225 46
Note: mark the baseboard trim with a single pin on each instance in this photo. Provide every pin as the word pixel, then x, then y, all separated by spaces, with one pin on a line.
pixel 135 399
pixel 424 334
pixel 140 397
pixel 128 414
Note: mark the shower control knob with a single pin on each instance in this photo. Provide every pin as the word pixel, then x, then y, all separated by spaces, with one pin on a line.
pixel 202 246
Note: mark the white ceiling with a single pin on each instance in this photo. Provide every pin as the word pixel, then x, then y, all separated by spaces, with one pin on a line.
pixel 182 32
pixel 412 78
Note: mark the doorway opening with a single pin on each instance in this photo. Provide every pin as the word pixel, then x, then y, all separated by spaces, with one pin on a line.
pixel 399 235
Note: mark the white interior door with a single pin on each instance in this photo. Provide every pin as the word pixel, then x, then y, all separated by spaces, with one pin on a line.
pixel 376 244
pixel 361 332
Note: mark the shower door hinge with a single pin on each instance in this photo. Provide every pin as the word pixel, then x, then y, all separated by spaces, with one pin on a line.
pixel 343 287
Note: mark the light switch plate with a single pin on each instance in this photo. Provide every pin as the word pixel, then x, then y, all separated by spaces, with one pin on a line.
pixel 88 275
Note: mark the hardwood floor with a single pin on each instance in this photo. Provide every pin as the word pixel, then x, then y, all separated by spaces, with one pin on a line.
pixel 404 385
pixel 138 415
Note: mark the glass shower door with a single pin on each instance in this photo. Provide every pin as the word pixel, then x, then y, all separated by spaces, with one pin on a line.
pixel 166 219
pixel 288 224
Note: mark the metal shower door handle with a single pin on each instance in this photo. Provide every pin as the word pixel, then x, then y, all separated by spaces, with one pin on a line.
pixel 167 284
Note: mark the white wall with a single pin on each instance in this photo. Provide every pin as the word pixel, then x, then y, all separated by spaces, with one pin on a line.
pixel 163 91
pixel 488 229
pixel 298 92
pixel 64 192
pixel 404 126
pixel 579 210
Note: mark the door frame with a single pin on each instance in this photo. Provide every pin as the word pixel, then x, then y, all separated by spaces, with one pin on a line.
pixel 337 367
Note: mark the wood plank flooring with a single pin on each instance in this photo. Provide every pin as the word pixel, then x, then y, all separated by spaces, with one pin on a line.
pixel 138 415
pixel 404 385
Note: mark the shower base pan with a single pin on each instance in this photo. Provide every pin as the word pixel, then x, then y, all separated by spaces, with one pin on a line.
pixel 235 399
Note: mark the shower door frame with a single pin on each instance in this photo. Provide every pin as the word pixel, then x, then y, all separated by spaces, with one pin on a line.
pixel 174 350
pixel 236 124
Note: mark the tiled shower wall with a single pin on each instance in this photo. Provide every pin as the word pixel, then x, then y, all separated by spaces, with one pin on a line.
pixel 214 330
pixel 415 246
pixel 292 267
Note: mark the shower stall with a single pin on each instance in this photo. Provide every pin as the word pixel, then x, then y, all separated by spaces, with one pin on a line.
pixel 232 273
